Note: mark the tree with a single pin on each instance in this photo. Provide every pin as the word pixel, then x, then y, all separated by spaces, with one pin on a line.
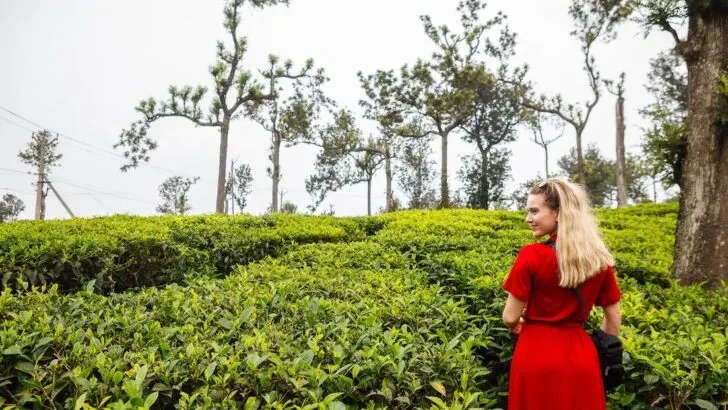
pixel 599 179
pixel 239 185
pixel 665 141
pixel 700 237
pixel 496 172
pixel 439 92
pixel 496 112
pixel 289 207
pixel 10 208
pixel 621 174
pixel 41 154
pixel 600 175
pixel 383 104
pixel 174 194
pixel 592 24
pixel 637 175
pixel 289 119
pixel 415 174
pixel 519 196
pixel 237 91
pixel 345 159
pixel 537 123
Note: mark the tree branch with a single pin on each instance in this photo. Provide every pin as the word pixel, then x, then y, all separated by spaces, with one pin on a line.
pixel 197 121
pixel 666 26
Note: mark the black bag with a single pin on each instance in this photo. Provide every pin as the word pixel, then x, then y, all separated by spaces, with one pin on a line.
pixel 609 348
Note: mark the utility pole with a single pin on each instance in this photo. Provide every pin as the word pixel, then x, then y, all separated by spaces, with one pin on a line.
pixel 281 202
pixel 60 199
pixel 39 197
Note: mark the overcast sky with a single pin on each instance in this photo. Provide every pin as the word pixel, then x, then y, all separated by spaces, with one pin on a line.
pixel 79 67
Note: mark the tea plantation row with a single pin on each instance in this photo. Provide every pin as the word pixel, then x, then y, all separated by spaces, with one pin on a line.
pixel 395 311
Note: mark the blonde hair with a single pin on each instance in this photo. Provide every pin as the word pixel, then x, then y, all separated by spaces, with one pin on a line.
pixel 581 250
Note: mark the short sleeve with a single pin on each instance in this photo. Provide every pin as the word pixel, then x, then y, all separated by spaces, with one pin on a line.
pixel 609 293
pixel 518 282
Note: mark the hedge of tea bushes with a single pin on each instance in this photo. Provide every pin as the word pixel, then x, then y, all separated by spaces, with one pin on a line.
pixel 270 335
pixel 421 289
pixel 676 336
pixel 123 252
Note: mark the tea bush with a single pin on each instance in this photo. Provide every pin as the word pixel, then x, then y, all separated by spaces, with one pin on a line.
pixel 400 310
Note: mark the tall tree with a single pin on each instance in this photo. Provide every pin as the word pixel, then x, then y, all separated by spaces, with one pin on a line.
pixel 537 122
pixel 236 91
pixel 439 92
pixel 495 114
pixel 665 140
pixel 702 228
pixel 345 159
pixel 495 172
pixel 415 174
pixel 10 208
pixel 41 153
pixel 383 105
pixel 621 173
pixel 174 192
pixel 591 25
pixel 600 175
pixel 239 185
pixel 287 119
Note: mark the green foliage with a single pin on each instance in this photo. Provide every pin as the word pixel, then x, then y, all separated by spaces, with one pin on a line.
pixel 123 252
pixel 601 175
pixel 239 185
pixel 174 193
pixel 416 174
pixel 43 148
pixel 401 310
pixel 484 176
pixel 10 208
pixel 664 140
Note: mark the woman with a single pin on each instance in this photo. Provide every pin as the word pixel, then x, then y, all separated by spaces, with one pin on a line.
pixel 555 364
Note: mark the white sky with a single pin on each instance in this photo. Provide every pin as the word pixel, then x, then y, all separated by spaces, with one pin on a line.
pixel 79 67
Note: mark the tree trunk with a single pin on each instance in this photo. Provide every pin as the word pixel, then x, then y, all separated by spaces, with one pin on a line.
pixel 222 164
pixel 276 174
pixel 369 196
pixel 444 189
pixel 620 163
pixel 388 174
pixel 546 152
pixel 484 180
pixel 701 236
pixel 580 158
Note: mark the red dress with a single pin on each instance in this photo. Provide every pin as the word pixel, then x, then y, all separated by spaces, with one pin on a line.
pixel 555 364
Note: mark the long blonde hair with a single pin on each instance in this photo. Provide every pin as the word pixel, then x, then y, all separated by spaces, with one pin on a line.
pixel 581 250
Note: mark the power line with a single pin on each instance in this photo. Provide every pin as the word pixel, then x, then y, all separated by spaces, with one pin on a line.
pixel 16 124
pixel 86 144
pixel 23 191
pixel 16 171
pixel 102 192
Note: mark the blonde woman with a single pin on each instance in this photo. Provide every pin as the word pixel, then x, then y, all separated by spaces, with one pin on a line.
pixel 555 363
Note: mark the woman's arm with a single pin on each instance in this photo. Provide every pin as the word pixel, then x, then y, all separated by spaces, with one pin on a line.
pixel 513 311
pixel 612 319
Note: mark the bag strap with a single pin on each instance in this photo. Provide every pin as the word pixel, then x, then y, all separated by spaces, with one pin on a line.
pixel 577 290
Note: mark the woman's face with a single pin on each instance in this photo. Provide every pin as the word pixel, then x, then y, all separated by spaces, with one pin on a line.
pixel 542 219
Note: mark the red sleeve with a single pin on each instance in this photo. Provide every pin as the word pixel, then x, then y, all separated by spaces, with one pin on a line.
pixel 518 282
pixel 609 293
